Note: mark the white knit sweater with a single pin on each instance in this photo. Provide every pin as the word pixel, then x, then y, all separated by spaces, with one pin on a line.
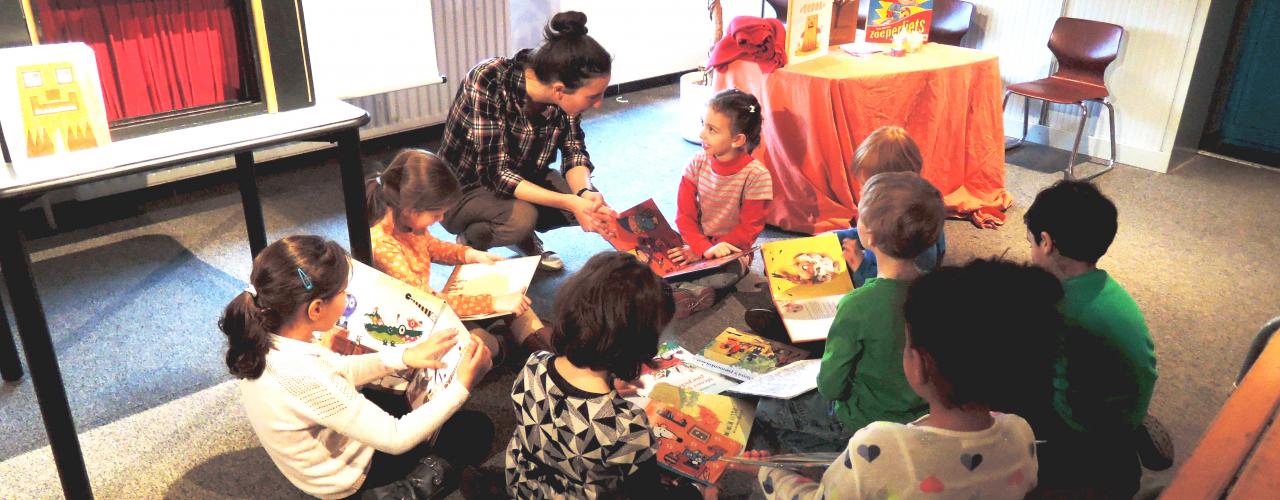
pixel 318 429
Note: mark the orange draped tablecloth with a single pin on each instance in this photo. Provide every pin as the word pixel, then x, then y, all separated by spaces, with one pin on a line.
pixel 817 112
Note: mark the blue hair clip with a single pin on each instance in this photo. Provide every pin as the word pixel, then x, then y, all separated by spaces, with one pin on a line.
pixel 306 282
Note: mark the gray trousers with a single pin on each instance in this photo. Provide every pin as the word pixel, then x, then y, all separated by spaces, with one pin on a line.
pixel 487 220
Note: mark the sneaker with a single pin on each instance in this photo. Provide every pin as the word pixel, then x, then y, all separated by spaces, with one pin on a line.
pixel 1155 445
pixel 533 246
pixel 685 300
pixel 691 298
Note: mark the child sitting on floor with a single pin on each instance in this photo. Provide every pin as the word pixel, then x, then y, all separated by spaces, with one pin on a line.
pixel 301 398
pixel 887 149
pixel 724 197
pixel 860 380
pixel 961 448
pixel 405 199
pixel 575 436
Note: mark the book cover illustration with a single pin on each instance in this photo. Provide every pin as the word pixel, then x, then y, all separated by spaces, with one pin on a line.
pixel 807 277
pixel 808 29
pixel 889 17
pixel 50 101
pixel 385 313
pixel 499 278
pixel 670 367
pixel 752 353
pixel 844 21
pixel 694 430
pixel 644 232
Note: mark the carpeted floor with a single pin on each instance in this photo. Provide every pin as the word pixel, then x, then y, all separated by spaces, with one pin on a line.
pixel 133 286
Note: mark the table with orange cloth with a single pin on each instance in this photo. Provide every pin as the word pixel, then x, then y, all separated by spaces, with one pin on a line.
pixel 817 112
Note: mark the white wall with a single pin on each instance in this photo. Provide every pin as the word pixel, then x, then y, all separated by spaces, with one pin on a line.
pixel 1148 81
pixel 646 37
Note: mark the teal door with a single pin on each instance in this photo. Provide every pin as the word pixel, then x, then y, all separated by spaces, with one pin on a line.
pixel 1252 116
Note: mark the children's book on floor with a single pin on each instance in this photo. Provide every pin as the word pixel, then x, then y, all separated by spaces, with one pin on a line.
pixel 889 17
pixel 385 313
pixel 499 278
pixel 732 362
pixel 807 277
pixel 694 430
pixel 643 231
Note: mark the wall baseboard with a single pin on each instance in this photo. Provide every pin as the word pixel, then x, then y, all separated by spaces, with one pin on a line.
pixel 1100 147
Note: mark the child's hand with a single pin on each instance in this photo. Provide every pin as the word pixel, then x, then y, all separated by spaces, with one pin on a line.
pixel 682 255
pixel 720 250
pixel 514 303
pixel 852 251
pixel 749 468
pixel 427 354
pixel 473 256
pixel 474 363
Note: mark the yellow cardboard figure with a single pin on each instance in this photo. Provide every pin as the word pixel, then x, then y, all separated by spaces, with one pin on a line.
pixel 53 109
pixel 809 37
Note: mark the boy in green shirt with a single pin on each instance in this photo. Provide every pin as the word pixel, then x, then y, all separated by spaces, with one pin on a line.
pixel 861 379
pixel 1107 370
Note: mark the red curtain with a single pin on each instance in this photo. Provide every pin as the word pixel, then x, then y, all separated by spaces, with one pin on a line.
pixel 153 55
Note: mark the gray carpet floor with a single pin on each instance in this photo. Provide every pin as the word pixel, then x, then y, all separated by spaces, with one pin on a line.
pixel 133 286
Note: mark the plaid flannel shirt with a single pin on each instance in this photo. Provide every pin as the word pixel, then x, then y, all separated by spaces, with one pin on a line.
pixel 489 141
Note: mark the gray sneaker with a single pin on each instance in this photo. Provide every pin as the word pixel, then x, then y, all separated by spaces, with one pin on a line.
pixel 533 246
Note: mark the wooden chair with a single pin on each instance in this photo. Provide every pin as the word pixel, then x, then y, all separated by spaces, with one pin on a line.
pixel 951 21
pixel 1083 49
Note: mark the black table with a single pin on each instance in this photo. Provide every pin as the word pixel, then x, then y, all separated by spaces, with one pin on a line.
pixel 330 121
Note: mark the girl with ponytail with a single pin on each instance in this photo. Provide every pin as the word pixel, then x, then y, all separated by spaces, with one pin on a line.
pixel 302 399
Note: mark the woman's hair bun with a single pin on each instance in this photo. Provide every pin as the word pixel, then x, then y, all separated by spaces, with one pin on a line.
pixel 567 25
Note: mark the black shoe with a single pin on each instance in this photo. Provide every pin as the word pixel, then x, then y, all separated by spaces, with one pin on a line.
pixel 533 246
pixel 766 323
pixel 1154 444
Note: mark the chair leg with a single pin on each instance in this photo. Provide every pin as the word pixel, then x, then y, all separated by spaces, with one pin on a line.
pixel 1111 114
pixel 1071 165
pixel 1025 117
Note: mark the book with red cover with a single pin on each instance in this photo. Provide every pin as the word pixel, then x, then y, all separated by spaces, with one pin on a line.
pixel 888 17
pixel 643 231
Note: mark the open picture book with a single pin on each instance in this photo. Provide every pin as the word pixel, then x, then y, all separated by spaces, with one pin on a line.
pixel 733 362
pixel 499 278
pixel 644 232
pixel 695 429
pixel 385 313
pixel 807 278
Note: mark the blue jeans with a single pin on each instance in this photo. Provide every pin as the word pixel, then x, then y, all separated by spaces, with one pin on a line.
pixel 805 423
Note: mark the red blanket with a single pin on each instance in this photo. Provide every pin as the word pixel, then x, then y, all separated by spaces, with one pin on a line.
pixel 752 38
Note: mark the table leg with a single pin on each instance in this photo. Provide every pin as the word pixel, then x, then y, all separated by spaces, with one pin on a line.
pixel 10 366
pixel 252 203
pixel 51 394
pixel 353 194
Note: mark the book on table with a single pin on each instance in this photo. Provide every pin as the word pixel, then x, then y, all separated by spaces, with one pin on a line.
pixel 644 232
pixel 844 21
pixel 694 430
pixel 385 313
pixel 807 278
pixel 503 277
pixel 887 18
pixel 808 29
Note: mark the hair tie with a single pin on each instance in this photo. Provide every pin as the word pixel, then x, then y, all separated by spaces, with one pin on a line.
pixel 251 291
pixel 751 108
pixel 378 179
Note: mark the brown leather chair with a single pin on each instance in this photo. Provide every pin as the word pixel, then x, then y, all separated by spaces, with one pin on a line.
pixel 1084 49
pixel 951 20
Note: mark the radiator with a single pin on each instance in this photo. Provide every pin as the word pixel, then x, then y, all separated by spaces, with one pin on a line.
pixel 466 32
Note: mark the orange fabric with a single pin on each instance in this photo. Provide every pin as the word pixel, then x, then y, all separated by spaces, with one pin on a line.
pixel 408 257
pixel 817 112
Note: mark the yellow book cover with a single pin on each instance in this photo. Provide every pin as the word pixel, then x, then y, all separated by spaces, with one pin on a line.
pixel 808 29
pixel 807 277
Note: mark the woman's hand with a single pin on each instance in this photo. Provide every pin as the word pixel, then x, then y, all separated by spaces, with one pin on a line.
pixel 683 255
pixel 852 250
pixel 427 354
pixel 591 212
pixel 513 303
pixel 720 250
pixel 474 363
pixel 473 256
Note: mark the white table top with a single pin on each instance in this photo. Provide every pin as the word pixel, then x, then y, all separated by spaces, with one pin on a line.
pixel 178 146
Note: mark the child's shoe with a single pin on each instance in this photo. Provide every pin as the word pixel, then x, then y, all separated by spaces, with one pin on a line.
pixel 691 298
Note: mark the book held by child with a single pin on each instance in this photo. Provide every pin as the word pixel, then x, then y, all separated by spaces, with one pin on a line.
pixel 643 231
pixel 807 277
pixel 499 278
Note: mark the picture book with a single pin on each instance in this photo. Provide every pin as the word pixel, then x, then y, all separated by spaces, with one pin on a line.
pixel 670 367
pixel 844 21
pixel 808 29
pixel 733 362
pixel 783 383
pixel 50 102
pixel 753 355
pixel 789 460
pixel 499 278
pixel 644 232
pixel 886 18
pixel 807 277
pixel 385 313
pixel 694 430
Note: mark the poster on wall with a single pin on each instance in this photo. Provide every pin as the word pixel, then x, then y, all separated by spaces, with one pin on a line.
pixel 889 17
pixel 50 102
pixel 808 30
